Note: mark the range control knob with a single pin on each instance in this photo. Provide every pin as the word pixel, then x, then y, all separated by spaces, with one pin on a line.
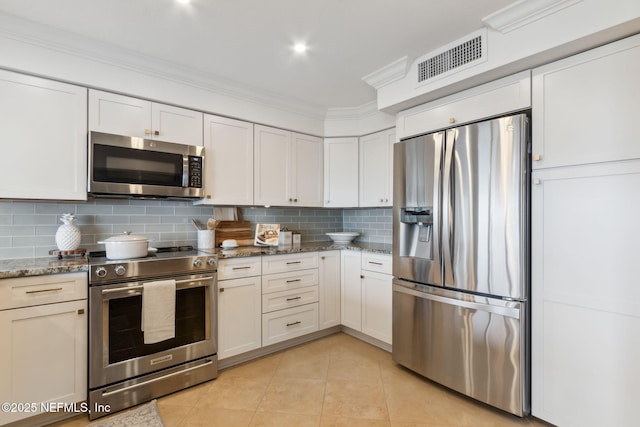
pixel 120 270
pixel 197 262
pixel 101 271
pixel 211 261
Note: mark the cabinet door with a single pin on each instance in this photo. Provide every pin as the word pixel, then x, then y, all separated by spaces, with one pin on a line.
pixel 43 355
pixel 306 170
pixel 175 124
pixel 351 290
pixel 228 165
pixel 585 107
pixel 239 316
pixel 341 172
pixel 272 183
pixel 44 139
pixel 376 169
pixel 119 114
pixel 329 298
pixel 376 305
pixel 512 93
pixel 585 293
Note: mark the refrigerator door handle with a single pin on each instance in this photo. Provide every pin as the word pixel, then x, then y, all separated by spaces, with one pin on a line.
pixel 438 140
pixel 502 311
pixel 447 209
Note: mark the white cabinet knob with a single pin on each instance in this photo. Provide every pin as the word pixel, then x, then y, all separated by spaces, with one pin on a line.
pixel 537 157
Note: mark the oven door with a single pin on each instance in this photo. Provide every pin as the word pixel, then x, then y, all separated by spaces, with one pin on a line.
pixel 116 344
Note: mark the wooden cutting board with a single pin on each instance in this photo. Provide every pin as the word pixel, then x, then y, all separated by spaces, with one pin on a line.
pixel 237 230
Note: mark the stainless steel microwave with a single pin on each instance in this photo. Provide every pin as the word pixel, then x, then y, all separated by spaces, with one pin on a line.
pixel 138 167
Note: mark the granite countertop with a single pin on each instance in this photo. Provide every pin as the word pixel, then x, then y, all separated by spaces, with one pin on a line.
pixel 23 267
pixel 247 251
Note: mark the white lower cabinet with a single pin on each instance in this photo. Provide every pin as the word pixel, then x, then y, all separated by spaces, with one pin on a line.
pixel 43 342
pixel 289 296
pixel 376 305
pixel 329 289
pixel 239 306
pixel 366 294
pixel 351 289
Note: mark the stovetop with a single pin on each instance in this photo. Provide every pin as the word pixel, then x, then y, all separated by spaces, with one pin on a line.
pixel 165 262
pixel 97 257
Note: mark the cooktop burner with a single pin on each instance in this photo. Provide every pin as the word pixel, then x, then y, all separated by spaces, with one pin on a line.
pixel 163 262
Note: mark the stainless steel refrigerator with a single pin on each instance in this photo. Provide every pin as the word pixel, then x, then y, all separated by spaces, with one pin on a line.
pixel 461 260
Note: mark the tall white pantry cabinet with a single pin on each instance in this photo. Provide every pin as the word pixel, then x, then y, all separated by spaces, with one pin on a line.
pixel 586 238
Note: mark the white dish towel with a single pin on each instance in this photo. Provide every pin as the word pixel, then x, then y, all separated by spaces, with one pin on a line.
pixel 158 311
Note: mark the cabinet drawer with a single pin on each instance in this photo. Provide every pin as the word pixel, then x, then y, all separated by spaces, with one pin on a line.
pixel 234 268
pixel 287 299
pixel 287 281
pixel 376 262
pixel 290 323
pixel 292 262
pixel 38 290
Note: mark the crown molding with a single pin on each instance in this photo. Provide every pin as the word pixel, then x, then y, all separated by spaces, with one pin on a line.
pixel 47 37
pixel 353 113
pixel 390 73
pixel 524 12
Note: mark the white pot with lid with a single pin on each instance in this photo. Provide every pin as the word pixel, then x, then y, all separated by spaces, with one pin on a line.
pixel 126 246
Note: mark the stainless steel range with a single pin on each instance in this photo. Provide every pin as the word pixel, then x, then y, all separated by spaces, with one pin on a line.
pixel 125 369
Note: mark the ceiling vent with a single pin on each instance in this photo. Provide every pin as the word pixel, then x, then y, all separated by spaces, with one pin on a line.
pixel 452 59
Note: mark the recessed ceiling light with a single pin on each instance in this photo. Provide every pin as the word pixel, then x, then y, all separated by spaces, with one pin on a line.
pixel 299 48
pixel 184 1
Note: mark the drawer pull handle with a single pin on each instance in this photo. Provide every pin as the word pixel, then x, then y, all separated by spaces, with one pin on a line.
pixel 293 299
pixel 294 323
pixel 294 262
pixel 375 263
pixel 241 268
pixel 294 280
pixel 43 290
pixel 221 289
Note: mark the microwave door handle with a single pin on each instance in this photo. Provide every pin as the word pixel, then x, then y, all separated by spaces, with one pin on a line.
pixel 185 171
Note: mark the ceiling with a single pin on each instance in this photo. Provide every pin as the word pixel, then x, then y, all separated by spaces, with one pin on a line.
pixel 249 42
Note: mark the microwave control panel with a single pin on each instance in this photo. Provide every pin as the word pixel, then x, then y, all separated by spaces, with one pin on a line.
pixel 195 172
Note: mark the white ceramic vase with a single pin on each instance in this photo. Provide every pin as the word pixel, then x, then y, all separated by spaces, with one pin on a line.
pixel 68 234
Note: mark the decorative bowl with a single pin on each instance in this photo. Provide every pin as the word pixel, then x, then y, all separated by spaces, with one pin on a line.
pixel 343 236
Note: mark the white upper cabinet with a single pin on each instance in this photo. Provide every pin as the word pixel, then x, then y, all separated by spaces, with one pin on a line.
pixel 341 172
pixel 308 166
pixel 376 169
pixel 583 105
pixel 509 94
pixel 44 139
pixel 228 164
pixel 124 115
pixel 288 168
pixel 272 163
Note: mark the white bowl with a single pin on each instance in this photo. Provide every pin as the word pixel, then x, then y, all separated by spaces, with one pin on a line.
pixel 343 236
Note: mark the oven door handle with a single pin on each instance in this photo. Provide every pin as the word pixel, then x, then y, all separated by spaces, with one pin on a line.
pixel 180 285
pixel 133 386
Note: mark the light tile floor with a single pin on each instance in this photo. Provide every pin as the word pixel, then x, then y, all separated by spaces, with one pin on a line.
pixel 335 381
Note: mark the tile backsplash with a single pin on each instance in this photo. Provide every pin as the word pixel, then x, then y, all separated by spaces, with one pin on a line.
pixel 27 229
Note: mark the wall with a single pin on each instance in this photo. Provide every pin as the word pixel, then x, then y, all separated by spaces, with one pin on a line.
pixel 27 228
pixel 374 225
pixel 525 35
